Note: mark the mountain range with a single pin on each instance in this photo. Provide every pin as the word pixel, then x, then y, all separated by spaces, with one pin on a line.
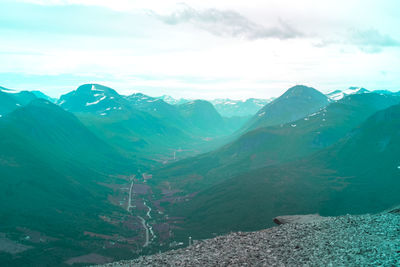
pixel 96 174
pixel 357 174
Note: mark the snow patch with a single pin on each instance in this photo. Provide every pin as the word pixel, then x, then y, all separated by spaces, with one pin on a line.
pixel 96 102
pixel 95 89
pixel 336 96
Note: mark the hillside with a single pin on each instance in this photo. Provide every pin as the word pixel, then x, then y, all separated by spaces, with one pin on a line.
pixel 53 130
pixel 332 241
pixel 276 144
pixel 356 175
pixel 53 187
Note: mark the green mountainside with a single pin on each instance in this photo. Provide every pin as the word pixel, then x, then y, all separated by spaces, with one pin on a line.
pixel 358 174
pixel 275 144
pixel 52 169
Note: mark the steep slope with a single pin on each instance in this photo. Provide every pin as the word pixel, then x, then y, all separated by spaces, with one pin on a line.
pixel 41 95
pixel 239 108
pixel 297 102
pixel 359 174
pixel 276 144
pixel 51 171
pixel 52 129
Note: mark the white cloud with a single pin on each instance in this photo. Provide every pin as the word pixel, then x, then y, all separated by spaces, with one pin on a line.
pixel 187 52
pixel 228 23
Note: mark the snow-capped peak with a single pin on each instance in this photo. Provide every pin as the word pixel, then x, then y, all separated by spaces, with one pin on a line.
pixel 339 94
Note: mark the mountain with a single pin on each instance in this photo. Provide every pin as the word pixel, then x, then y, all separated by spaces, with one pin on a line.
pixel 52 129
pixel 202 115
pixel 140 124
pixel 297 102
pixel 11 100
pixel 274 145
pixel 386 92
pixel 358 174
pixel 339 94
pixel 160 109
pixel 93 98
pixel 170 100
pixel 41 95
pixel 239 108
pixel 116 119
pixel 52 189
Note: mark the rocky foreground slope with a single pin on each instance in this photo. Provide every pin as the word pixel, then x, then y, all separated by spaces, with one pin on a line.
pixel 351 240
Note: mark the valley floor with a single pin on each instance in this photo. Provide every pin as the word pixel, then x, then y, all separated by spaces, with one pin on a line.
pixel 351 240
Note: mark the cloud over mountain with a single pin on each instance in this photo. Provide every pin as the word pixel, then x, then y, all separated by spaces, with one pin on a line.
pixel 228 23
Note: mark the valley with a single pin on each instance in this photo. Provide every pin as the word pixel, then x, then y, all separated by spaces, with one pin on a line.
pixel 125 176
pixel 179 133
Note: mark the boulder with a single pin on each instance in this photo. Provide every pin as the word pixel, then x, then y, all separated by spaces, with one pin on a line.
pixel 298 218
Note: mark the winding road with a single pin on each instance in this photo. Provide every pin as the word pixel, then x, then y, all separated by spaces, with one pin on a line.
pixel 146 243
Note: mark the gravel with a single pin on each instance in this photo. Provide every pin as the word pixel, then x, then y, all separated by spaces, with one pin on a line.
pixel 350 240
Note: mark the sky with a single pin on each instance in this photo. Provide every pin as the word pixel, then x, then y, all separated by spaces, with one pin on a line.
pixel 199 49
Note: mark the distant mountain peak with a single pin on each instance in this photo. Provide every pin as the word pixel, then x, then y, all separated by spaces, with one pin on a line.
pixel 339 94
pixel 95 98
pixel 300 91
pixel 172 101
pixel 297 102
pixel 239 108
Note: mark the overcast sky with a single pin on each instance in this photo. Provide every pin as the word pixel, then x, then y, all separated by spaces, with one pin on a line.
pixel 199 49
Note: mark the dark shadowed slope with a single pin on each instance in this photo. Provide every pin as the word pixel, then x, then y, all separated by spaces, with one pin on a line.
pixel 51 171
pixel 53 130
